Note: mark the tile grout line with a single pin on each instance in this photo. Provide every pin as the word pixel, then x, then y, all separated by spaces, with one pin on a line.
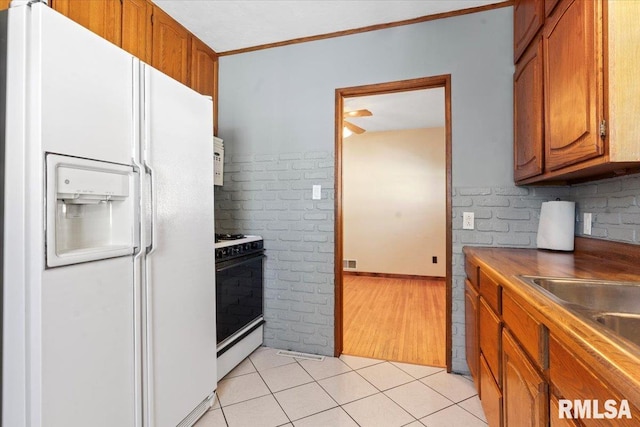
pixel 272 394
pixel 416 378
pixel 469 410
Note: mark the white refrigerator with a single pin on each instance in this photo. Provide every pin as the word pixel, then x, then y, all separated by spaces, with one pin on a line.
pixel 108 278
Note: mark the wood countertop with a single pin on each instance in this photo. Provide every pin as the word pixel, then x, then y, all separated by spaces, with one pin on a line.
pixel 616 361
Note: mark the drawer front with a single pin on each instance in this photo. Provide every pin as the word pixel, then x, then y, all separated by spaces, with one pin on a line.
pixel 491 291
pixel 531 334
pixel 472 273
pixel 573 380
pixel 490 339
pixel 491 396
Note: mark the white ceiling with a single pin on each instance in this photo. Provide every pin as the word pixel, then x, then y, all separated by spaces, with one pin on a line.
pixel 415 109
pixel 227 25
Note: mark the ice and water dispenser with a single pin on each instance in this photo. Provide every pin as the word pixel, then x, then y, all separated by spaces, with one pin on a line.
pixel 90 210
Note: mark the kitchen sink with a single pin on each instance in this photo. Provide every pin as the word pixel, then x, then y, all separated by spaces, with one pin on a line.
pixel 624 324
pixel 612 304
pixel 599 295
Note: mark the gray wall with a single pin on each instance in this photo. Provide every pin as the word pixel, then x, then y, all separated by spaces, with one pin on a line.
pixel 277 110
pixel 615 205
pixel 282 100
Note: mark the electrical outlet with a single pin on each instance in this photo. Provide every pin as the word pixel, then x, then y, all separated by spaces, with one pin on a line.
pixel 316 192
pixel 586 226
pixel 434 259
pixel 467 221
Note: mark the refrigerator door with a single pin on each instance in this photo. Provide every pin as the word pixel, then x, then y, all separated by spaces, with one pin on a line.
pixel 71 94
pixel 180 271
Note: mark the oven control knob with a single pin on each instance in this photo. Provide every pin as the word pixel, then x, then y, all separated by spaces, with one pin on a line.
pixel 246 246
pixel 218 253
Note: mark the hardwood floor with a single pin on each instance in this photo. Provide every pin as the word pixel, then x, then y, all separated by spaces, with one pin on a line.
pixel 401 320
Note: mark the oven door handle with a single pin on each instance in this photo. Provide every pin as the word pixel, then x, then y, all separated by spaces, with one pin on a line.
pixel 225 265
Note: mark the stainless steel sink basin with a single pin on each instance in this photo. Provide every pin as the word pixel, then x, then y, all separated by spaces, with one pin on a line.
pixel 624 324
pixel 612 304
pixel 599 295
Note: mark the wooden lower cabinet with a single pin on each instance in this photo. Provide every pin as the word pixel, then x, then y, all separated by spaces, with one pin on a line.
pixel 490 337
pixel 574 380
pixel 471 299
pixel 556 421
pixel 524 391
pixel 491 395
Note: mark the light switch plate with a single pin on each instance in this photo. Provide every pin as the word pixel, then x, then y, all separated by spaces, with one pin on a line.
pixel 586 228
pixel 316 192
pixel 467 221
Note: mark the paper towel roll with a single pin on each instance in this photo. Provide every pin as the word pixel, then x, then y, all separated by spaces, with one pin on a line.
pixel 557 226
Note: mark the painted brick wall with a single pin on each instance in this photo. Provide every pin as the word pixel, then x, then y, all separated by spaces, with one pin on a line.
pixel 270 195
pixel 615 205
pixel 504 216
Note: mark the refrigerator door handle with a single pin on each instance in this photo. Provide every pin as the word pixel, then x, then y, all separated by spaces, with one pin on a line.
pixel 137 227
pixel 152 190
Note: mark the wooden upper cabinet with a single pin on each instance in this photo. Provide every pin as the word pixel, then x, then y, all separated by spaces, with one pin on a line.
pixel 528 114
pixel 4 4
pixel 136 28
pixel 528 17
pixel 171 46
pixel 573 83
pixel 590 60
pixel 100 16
pixel 204 73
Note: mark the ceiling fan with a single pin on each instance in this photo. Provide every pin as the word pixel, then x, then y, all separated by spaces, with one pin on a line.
pixel 349 128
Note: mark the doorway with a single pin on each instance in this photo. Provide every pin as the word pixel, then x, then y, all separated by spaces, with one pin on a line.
pixel 414 276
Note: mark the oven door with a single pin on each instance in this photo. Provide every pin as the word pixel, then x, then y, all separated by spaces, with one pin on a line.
pixel 239 295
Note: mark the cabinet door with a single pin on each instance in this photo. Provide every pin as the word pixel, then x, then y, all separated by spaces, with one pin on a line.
pixel 524 391
pixel 549 5
pixel 136 28
pixel 170 46
pixel 554 411
pixel 4 4
pixel 573 84
pixel 528 114
pixel 100 16
pixel 490 338
pixel 528 17
pixel 491 395
pixel 472 346
pixel 204 73
pixel 574 380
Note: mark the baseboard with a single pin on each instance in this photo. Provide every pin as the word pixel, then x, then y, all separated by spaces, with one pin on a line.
pixel 391 275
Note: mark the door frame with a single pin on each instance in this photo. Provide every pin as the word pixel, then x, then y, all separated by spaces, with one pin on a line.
pixel 443 81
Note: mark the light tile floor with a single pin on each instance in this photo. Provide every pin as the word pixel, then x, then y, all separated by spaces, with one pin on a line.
pixel 268 390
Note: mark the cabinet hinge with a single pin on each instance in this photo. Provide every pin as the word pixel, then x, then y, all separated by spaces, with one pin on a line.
pixel 603 129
